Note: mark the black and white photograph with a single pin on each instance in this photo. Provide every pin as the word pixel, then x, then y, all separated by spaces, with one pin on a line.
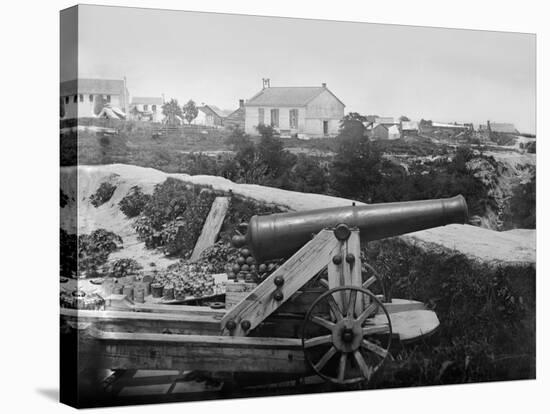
pixel 257 206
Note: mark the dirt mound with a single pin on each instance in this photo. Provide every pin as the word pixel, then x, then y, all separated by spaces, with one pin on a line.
pixel 477 243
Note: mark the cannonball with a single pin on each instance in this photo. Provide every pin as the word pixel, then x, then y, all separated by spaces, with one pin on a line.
pixel 245 252
pixel 238 241
pixel 250 260
pixel 245 268
pixel 262 268
pixel 241 260
pixel 236 268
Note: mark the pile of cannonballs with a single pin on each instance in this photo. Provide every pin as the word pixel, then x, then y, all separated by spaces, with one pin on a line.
pixel 245 268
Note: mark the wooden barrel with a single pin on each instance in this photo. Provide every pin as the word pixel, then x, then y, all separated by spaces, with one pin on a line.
pixel 156 290
pixel 139 295
pixel 128 291
pixel 168 292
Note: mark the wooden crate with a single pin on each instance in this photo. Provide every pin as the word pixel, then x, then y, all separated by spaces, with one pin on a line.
pixel 237 291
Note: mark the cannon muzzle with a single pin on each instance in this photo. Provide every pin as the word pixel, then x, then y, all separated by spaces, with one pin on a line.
pixel 280 235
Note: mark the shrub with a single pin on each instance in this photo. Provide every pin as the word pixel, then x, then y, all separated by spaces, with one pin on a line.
pixel 123 267
pixel 133 203
pixel 94 250
pixel 174 216
pixel 103 194
pixel 520 211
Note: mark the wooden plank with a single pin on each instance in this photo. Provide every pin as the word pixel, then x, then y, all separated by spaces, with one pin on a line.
pixel 296 271
pixel 410 325
pixel 211 227
pixel 198 352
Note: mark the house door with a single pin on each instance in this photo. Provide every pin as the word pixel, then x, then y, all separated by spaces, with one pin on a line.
pixel 325 127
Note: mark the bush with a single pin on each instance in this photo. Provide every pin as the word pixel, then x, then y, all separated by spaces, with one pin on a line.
pixel 487 315
pixel 520 211
pixel 123 267
pixel 94 250
pixel 103 194
pixel 133 203
pixel 173 217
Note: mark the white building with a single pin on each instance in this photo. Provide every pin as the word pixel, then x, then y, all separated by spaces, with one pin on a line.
pixel 146 109
pixel 308 111
pixel 87 97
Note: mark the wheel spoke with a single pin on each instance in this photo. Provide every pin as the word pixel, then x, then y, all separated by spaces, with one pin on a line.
pixel 342 367
pixel 319 340
pixel 365 369
pixel 335 308
pixel 369 282
pixel 323 361
pixel 351 303
pixel 378 350
pixel 322 322
pixel 323 283
pixel 376 329
pixel 366 313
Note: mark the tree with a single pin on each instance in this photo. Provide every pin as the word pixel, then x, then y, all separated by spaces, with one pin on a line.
pixel 172 111
pixel 99 103
pixel 190 111
pixel 404 118
pixel 355 170
pixel 308 176
pixel 354 116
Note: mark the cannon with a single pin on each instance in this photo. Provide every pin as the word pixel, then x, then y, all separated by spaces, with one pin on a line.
pixel 317 313
pixel 280 235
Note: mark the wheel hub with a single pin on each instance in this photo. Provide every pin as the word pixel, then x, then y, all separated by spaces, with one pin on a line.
pixel 347 335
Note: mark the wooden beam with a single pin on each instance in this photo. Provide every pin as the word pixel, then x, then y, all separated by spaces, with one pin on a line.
pixel 198 352
pixel 296 272
pixel 347 274
pixel 211 227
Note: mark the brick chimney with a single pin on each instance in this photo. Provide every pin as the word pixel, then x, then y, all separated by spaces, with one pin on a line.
pixel 241 103
pixel 324 85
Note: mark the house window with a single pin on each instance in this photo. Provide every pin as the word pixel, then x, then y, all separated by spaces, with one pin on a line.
pixel 66 99
pixel 145 107
pixel 293 118
pixel 108 97
pixel 81 98
pixel 75 98
pixel 91 97
pixel 275 118
pixel 261 116
pixel 154 108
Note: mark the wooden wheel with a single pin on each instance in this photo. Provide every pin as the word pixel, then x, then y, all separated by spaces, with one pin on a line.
pixel 352 348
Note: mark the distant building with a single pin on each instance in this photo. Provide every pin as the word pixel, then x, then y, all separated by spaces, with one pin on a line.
pixel 385 132
pixel 493 130
pixel 146 109
pixel 213 116
pixel 308 111
pixel 385 120
pixel 409 128
pixel 87 97
pixel 236 119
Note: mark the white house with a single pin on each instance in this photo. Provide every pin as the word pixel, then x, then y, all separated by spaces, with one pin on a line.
pixel 309 111
pixel 146 109
pixel 87 97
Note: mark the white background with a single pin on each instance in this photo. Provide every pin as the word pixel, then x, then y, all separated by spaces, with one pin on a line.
pixel 30 198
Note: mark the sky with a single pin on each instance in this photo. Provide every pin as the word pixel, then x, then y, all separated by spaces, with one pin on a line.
pixel 446 75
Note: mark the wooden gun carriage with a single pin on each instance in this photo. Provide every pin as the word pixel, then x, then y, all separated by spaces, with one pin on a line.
pixel 295 322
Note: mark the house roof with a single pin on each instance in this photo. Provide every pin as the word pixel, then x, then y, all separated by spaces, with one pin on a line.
pixel 94 86
pixel 385 120
pixel 146 101
pixel 222 113
pixel 287 96
pixel 409 125
pixel 445 125
pixel 503 128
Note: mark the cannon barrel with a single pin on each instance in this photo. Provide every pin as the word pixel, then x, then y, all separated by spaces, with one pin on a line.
pixel 280 235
